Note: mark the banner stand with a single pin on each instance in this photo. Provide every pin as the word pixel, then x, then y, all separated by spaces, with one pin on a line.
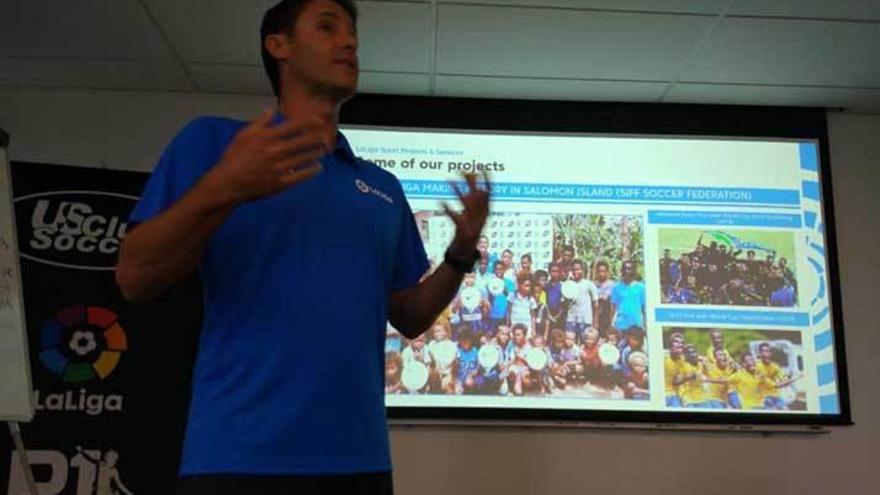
pixel 15 431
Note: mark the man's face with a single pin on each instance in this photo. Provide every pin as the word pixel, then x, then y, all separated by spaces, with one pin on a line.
pixel 519 337
pixel 626 272
pixel 690 353
pixel 484 263
pixel 675 348
pixel 766 353
pixel 717 339
pixel 666 254
pixel 602 273
pixel 633 341
pixel 721 359
pixel 567 256
pixel 577 271
pixel 483 245
pixel 554 273
pixel 499 270
pixel 503 334
pixel 507 258
pixel 321 51
pixel 749 363
pixel 537 289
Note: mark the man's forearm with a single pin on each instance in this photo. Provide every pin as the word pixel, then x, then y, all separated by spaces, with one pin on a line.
pixel 417 308
pixel 166 249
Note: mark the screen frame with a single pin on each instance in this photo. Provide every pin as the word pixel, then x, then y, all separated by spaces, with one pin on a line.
pixel 628 119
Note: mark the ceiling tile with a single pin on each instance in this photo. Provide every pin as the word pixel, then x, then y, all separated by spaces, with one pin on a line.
pixel 789 52
pixel 671 6
pixel 547 89
pixel 141 75
pixel 393 36
pixel 820 9
pixel 225 31
pixel 390 83
pixel 222 78
pixel 544 43
pixel 86 29
pixel 251 80
pixel 855 99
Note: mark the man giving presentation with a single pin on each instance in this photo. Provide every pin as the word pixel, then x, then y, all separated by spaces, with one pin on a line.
pixel 305 251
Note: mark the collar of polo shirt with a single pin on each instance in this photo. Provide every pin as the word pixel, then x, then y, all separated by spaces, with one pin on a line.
pixel 342 149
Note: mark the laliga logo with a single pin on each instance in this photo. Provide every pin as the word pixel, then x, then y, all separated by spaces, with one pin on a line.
pixel 73 229
pixel 81 344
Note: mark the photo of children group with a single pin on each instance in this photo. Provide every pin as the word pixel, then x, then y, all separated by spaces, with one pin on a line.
pixel 733 369
pixel 739 268
pixel 554 307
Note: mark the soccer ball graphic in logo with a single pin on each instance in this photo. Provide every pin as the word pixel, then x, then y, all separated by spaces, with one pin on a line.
pixel 82 343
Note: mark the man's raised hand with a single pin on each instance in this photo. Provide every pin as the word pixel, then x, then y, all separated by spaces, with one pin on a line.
pixel 265 159
pixel 475 208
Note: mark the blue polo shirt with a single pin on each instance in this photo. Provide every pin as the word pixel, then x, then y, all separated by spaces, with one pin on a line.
pixel 630 302
pixel 289 376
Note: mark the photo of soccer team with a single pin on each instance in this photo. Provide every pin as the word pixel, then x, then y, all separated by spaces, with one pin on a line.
pixel 733 369
pixel 555 307
pixel 730 267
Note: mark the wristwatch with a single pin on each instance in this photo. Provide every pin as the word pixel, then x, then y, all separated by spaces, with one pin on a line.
pixel 464 265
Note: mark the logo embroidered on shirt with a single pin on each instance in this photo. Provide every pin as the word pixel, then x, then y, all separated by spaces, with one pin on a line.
pixel 366 189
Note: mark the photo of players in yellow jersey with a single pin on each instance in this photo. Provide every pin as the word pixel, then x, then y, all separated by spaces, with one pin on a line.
pixel 700 370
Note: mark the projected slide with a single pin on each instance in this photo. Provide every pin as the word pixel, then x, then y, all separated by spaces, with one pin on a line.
pixel 621 273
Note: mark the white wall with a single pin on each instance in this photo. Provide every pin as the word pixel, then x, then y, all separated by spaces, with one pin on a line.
pixel 117 130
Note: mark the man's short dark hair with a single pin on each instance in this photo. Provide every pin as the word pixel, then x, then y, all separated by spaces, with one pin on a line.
pixel 281 18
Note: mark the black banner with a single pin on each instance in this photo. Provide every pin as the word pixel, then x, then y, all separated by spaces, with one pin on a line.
pixel 111 379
